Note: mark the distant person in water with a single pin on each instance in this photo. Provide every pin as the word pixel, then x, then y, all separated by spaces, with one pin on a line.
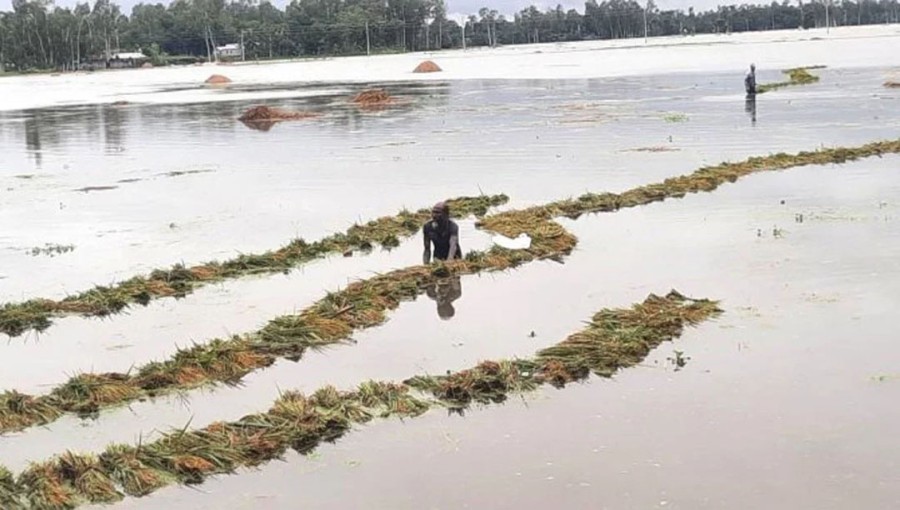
pixel 750 81
pixel 443 233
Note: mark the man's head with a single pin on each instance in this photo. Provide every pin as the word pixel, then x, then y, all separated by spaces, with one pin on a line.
pixel 440 212
pixel 753 67
pixel 445 310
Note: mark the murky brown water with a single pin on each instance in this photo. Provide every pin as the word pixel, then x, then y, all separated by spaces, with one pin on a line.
pixel 786 401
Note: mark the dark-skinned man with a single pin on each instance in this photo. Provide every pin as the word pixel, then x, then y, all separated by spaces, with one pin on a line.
pixel 443 233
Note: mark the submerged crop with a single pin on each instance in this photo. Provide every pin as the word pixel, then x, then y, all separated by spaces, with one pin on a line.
pixel 796 76
pixel 612 340
pixel 178 280
pixel 366 303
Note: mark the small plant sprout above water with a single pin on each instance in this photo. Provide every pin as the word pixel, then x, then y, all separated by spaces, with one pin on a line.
pixel 675 117
pixel 678 359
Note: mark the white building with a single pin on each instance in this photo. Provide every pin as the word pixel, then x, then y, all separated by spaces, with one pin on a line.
pixel 229 51
pixel 129 55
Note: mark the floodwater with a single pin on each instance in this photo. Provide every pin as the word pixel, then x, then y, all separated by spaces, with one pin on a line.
pixel 787 399
pixel 137 187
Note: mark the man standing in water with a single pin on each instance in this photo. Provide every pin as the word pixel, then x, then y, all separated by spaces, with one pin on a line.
pixel 443 233
pixel 750 81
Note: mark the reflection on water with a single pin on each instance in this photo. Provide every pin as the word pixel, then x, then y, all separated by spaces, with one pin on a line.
pixel 33 140
pixel 809 322
pixel 750 108
pixel 124 126
pixel 785 395
pixel 531 139
pixel 114 120
pixel 444 293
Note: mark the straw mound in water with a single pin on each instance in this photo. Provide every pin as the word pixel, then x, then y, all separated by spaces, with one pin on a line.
pixel 263 113
pixel 427 67
pixel 892 84
pixel 217 79
pixel 373 97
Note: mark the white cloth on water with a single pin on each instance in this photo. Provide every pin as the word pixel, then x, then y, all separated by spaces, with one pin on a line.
pixel 521 242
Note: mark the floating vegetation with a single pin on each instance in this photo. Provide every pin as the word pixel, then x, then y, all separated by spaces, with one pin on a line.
pixel 703 180
pixel 373 99
pixel 179 173
pixel 892 84
pixel 264 117
pixel 656 148
pixel 88 189
pixel 178 280
pixel 263 112
pixel 796 76
pixel 331 320
pixel 365 303
pixel 8 488
pixel 612 340
pixel 675 117
pixel 51 250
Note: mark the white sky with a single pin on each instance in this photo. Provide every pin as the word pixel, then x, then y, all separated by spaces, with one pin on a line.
pixel 471 6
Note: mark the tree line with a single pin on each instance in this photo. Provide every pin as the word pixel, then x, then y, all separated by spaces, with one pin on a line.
pixel 36 34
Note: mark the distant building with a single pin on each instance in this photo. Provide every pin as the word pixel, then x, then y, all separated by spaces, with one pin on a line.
pixel 118 60
pixel 229 51
pixel 127 59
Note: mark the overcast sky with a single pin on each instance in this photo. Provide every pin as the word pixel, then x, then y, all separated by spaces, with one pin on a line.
pixel 471 6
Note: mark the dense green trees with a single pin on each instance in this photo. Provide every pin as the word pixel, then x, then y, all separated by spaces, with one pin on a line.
pixel 36 34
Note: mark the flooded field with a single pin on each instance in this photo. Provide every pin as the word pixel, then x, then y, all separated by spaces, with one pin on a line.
pixel 785 400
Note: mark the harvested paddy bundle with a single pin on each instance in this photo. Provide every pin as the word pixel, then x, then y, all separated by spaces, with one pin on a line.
pixel 612 340
pixel 366 303
pixel 8 488
pixel 268 113
pixel 16 318
pixel 331 320
pixel 427 66
pixel 373 98
pixel 796 76
pixel 263 118
pixel 217 79
pixel 178 280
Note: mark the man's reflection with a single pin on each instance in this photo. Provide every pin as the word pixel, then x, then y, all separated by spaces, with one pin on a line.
pixel 444 292
pixel 750 107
